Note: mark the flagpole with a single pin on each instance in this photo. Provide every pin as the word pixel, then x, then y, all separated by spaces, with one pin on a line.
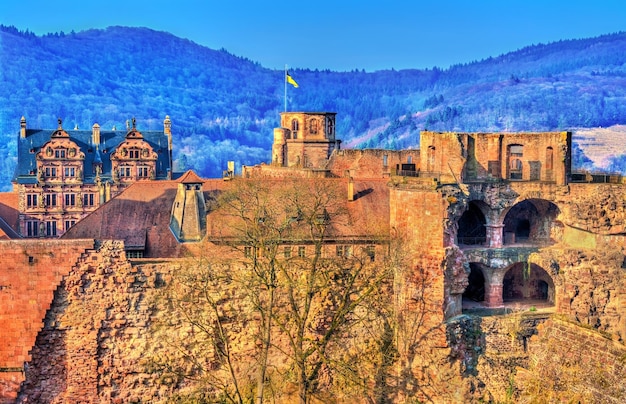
pixel 285 80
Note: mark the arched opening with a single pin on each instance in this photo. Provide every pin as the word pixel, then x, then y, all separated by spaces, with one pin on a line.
pixel 529 283
pixel 471 226
pixel 475 290
pixel 430 162
pixel 530 222
pixel 515 154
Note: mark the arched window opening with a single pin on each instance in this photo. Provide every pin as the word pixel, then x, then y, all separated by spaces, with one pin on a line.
pixel 313 127
pixel 331 127
pixel 516 152
pixel 295 126
pixel 471 226
pixel 549 158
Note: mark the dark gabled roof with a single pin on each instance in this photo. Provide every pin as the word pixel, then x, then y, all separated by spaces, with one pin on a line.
pixel 29 146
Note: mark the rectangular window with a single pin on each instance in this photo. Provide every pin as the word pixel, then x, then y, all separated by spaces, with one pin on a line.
pixel 51 172
pixel 247 251
pixel 125 172
pixel 51 228
pixel 134 254
pixel 70 171
pixel 31 200
pixel 385 160
pixel 142 172
pixel 287 252
pixel 517 150
pixel 69 223
pixel 32 228
pixel 59 153
pixel 343 251
pixel 51 200
pixel 87 199
pixel 370 251
pixel 70 199
pixel 301 251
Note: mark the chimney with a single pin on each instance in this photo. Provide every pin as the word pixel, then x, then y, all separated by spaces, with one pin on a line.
pixel 350 189
pixel 167 125
pixel 23 128
pixel 167 129
pixel 95 134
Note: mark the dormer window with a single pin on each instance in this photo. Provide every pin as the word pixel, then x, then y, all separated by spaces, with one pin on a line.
pixel 59 153
pixel 134 154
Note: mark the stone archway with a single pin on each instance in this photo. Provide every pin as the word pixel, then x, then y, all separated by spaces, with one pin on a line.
pixel 472 226
pixel 530 221
pixel 526 282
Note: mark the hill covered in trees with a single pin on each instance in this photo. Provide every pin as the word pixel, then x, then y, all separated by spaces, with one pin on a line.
pixel 223 107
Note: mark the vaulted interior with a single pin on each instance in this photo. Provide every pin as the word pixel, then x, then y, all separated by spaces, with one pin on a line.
pixel 530 222
pixel 471 226
pixel 527 282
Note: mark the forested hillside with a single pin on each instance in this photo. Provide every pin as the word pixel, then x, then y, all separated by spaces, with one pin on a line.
pixel 223 107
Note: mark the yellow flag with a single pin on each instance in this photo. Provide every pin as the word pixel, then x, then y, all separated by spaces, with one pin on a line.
pixel 291 81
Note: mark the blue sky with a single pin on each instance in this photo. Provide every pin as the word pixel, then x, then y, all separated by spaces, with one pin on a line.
pixel 338 34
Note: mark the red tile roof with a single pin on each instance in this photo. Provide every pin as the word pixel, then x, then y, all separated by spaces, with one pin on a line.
pixel 190 177
pixel 9 215
pixel 140 215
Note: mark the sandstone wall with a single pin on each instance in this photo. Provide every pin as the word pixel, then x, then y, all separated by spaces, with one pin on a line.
pixel 570 363
pixel 95 332
pixel 30 272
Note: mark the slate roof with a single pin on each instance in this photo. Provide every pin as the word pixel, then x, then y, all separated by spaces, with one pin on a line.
pixel 29 146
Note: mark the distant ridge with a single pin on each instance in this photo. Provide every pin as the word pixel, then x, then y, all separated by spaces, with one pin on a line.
pixel 223 107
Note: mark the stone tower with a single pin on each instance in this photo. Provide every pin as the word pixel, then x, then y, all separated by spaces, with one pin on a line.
pixel 305 139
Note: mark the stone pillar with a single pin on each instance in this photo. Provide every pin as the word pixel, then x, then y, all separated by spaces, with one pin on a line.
pixel 493 287
pixel 495 236
pixel 493 295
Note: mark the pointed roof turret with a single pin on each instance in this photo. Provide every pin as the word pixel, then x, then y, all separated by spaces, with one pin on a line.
pixel 188 219
pixel 190 177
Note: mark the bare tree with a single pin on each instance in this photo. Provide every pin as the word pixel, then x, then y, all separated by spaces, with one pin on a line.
pixel 200 313
pixel 309 275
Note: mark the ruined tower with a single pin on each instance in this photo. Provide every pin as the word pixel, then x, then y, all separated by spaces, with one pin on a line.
pixel 304 139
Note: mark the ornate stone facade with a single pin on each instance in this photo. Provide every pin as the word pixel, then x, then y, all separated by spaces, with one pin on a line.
pixel 64 175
